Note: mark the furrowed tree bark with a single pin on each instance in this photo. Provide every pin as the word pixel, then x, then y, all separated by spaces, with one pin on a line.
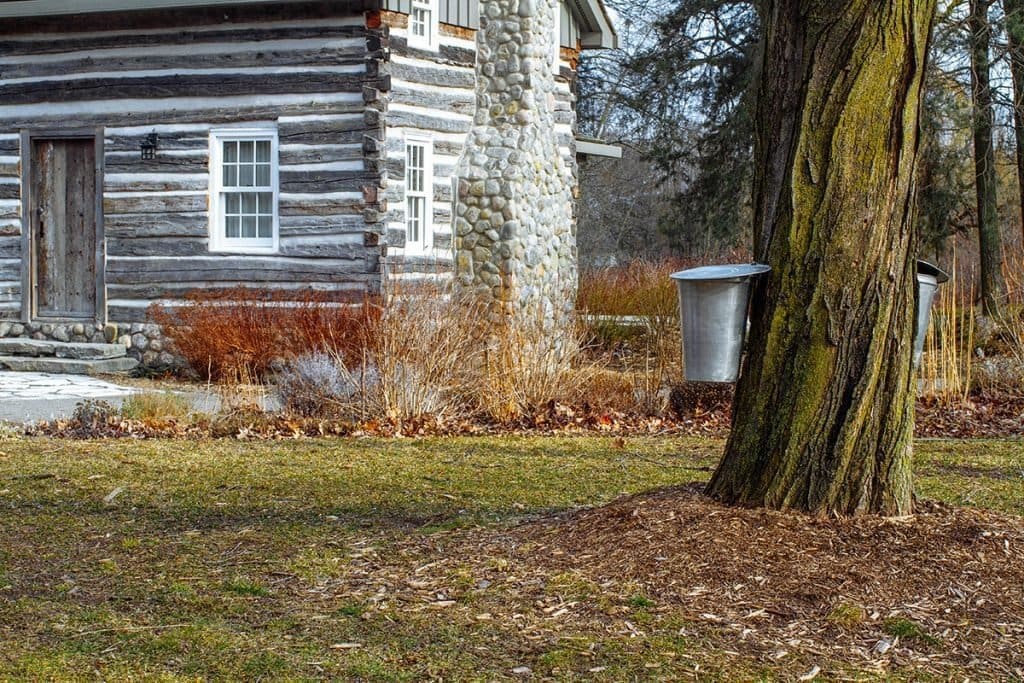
pixel 823 417
pixel 993 287
pixel 1014 24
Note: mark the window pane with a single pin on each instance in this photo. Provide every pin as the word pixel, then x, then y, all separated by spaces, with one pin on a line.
pixel 245 176
pixel 245 151
pixel 263 151
pixel 249 203
pixel 266 203
pixel 266 227
pixel 231 226
pixel 230 175
pixel 249 227
pixel 233 202
pixel 230 152
pixel 263 175
pixel 414 220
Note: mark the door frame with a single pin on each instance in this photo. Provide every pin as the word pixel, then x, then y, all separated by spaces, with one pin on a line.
pixel 29 305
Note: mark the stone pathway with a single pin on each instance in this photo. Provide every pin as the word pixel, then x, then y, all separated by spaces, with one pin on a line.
pixel 31 396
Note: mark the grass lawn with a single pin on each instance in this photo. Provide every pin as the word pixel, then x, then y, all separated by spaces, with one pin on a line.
pixel 341 559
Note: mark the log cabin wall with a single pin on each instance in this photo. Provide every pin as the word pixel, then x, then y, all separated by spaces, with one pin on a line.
pixel 303 67
pixel 433 96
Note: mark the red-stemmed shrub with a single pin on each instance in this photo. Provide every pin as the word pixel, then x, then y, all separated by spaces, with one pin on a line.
pixel 239 334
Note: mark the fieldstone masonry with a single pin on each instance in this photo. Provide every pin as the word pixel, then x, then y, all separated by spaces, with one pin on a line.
pixel 515 238
pixel 144 342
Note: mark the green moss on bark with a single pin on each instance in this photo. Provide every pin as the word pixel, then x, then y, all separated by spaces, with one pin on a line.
pixel 823 414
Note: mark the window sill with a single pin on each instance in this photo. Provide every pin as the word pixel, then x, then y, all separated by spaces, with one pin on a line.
pixel 245 251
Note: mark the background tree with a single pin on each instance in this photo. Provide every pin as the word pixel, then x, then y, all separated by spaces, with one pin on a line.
pixel 679 94
pixel 823 416
pixel 979 32
pixel 1013 23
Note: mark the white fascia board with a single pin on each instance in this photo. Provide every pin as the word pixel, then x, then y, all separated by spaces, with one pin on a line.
pixel 601 34
pixel 41 8
pixel 592 148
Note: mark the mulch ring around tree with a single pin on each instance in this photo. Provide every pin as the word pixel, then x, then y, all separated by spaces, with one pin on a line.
pixel 939 593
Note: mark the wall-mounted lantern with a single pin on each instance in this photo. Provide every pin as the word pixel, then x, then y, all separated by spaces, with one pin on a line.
pixel 713 305
pixel 929 277
pixel 149 147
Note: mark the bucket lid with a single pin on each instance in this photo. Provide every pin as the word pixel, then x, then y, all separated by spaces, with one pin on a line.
pixel 724 272
pixel 925 268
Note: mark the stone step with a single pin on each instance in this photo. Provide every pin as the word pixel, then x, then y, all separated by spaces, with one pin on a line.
pixel 19 346
pixel 69 366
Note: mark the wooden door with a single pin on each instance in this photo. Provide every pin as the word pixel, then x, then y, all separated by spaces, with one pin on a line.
pixel 64 227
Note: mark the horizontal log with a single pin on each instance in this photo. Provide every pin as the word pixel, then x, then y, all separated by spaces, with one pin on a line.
pixel 155 203
pixel 233 56
pixel 10 190
pixel 323 153
pixel 447 77
pixel 326 181
pixel 203 85
pixel 157 246
pixel 436 263
pixel 178 28
pixel 157 225
pixel 454 101
pixel 173 111
pixel 446 54
pixel 321 225
pixel 328 132
pixel 325 208
pixel 427 121
pixel 9 226
pixel 162 163
pixel 10 270
pixel 10 247
pixel 324 249
pixel 189 140
pixel 242 269
pixel 170 184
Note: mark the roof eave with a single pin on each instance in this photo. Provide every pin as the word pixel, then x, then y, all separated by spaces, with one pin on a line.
pixel 602 35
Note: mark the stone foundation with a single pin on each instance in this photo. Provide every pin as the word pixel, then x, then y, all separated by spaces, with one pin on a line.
pixel 145 342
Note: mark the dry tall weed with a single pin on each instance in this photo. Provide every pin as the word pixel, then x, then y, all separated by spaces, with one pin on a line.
pixel 946 366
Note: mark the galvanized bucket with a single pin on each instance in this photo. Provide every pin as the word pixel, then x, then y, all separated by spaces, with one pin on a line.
pixel 929 277
pixel 713 302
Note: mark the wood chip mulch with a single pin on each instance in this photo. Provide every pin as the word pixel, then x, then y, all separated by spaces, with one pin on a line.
pixel 937 594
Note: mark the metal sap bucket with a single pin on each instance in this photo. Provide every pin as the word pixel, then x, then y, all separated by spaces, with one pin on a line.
pixel 929 277
pixel 713 302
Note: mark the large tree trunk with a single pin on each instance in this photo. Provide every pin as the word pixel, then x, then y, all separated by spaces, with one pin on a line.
pixel 1014 23
pixel 823 417
pixel 993 288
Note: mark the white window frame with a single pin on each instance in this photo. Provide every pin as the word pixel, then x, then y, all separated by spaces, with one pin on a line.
pixel 219 241
pixel 556 49
pixel 426 241
pixel 428 41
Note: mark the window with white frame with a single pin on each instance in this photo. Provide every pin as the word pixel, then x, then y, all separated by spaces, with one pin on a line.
pixel 423 24
pixel 419 185
pixel 243 190
pixel 556 49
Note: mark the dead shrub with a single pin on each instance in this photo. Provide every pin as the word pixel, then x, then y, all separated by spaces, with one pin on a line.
pixel 424 351
pixel 240 333
pixel 321 385
pixel 525 367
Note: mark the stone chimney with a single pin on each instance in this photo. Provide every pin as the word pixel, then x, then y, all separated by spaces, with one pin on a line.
pixel 515 238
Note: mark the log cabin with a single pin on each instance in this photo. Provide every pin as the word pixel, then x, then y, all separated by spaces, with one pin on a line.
pixel 152 148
